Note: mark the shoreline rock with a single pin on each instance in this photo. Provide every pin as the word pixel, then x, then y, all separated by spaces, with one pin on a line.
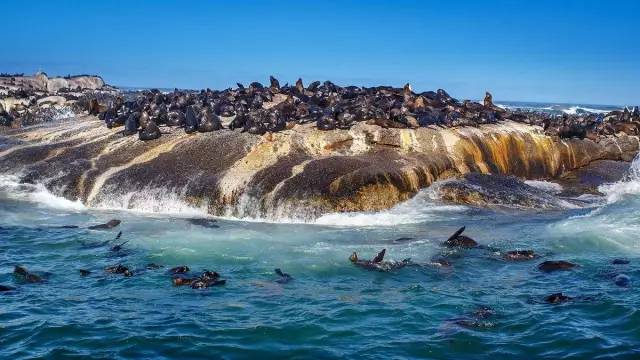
pixel 302 172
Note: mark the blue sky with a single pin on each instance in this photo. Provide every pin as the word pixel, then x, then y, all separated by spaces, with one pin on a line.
pixel 585 51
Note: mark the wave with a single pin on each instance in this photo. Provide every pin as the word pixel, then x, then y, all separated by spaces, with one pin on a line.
pixel 628 186
pixel 570 109
pixel 574 110
pixel 421 208
pixel 11 188
pixel 150 200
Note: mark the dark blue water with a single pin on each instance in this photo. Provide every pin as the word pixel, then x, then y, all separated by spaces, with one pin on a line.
pixel 482 307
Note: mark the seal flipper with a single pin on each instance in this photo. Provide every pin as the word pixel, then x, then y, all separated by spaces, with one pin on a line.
pixel 456 234
pixel 118 236
pixel 379 257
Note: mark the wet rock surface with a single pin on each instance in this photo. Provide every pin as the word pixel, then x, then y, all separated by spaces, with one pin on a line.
pixel 259 153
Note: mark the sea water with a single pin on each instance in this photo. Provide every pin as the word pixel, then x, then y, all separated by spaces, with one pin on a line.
pixel 331 309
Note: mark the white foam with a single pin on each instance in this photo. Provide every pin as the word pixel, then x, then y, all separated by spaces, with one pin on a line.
pixel 546 186
pixel 629 185
pixel 420 208
pixel 576 109
pixel 150 201
pixel 11 187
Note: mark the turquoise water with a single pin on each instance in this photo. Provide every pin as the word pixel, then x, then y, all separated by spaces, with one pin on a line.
pixel 331 309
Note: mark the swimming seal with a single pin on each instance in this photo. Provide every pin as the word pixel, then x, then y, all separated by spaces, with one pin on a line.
pixel 550 266
pixel 620 262
pixel 557 298
pixel 622 280
pixel 378 263
pixel 459 240
pixel 207 223
pixel 520 255
pixel 284 277
pixel 25 275
pixel 109 225
pixel 119 269
pixel 4 288
pixel 179 270
pixel 84 272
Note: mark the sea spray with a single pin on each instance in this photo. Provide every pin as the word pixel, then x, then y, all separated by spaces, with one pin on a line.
pixel 628 186
pixel 12 188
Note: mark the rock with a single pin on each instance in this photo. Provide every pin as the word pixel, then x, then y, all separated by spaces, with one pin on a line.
pixel 485 190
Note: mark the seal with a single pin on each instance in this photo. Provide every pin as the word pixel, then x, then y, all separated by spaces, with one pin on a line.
pixel 208 121
pixel 488 100
pixel 119 269
pixel 5 288
pixel 84 272
pixel 149 132
pixel 131 124
pixel 460 241
pixel 378 263
pixel 25 275
pixel 557 298
pixel 550 266
pixel 109 225
pixel 519 255
pixel 620 262
pixel 622 280
pixel 275 84
pixel 284 277
pixel 207 223
pixel 183 269
pixel 190 120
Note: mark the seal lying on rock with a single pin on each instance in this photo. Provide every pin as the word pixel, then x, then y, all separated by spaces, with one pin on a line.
pixel 150 132
pixel 378 263
pixel 550 266
pixel 109 225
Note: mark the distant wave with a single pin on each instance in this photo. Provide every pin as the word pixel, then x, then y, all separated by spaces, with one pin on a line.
pixel 570 109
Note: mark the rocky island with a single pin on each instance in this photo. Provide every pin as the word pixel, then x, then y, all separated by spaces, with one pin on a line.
pixel 295 151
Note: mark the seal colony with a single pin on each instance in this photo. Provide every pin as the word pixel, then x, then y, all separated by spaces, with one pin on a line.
pixel 258 109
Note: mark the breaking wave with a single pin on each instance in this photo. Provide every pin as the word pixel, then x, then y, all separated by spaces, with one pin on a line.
pixel 11 188
pixel 150 200
pixel 628 186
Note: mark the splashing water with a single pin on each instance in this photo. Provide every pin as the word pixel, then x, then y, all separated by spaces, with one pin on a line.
pixel 628 186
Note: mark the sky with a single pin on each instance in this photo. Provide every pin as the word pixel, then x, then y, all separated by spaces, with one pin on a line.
pixel 570 51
